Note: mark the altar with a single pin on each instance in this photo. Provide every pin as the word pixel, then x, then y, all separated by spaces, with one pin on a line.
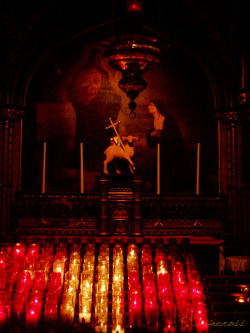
pixel 120 208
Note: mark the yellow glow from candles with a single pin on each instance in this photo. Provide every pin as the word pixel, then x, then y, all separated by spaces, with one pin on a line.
pixel 163 270
pixel 75 258
pixel 118 329
pixel 70 289
pixel 86 316
pixel 241 300
pixel 67 312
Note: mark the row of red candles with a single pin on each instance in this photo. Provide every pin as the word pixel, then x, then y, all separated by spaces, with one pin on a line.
pixel 24 279
pixel 188 294
pixel 187 298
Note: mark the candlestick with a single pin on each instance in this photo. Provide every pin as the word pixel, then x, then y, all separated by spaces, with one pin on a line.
pixel 158 170
pixel 198 169
pixel 243 71
pixel 44 167
pixel 81 167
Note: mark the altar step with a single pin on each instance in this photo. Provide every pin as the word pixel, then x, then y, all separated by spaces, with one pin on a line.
pixel 228 303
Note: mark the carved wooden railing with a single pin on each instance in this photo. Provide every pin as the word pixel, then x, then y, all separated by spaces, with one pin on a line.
pixel 176 215
pixel 58 214
pixel 80 214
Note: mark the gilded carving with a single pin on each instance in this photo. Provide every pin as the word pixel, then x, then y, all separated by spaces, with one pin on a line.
pixel 120 197
pixel 244 98
pixel 230 117
pixel 11 114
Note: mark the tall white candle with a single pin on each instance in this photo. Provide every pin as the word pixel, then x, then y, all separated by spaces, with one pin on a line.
pixel 198 170
pixel 158 169
pixel 81 169
pixel 20 155
pixel 44 167
pixel 243 71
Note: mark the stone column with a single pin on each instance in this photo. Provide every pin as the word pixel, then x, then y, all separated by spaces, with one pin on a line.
pixel 10 163
pixel 232 129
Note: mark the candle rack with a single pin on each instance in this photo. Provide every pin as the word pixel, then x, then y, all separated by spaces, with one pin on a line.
pixel 101 287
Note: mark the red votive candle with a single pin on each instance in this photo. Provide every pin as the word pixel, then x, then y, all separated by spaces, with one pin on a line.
pixel 18 253
pixel 151 311
pixel 36 297
pixel 39 280
pixel 53 296
pixel 133 278
pixel 3 316
pixel 135 309
pixel 55 279
pixel 149 287
pixel 19 249
pixel 51 313
pixel 3 261
pixel 163 278
pixel 201 324
pixel 168 310
pixel 34 249
pixel 32 318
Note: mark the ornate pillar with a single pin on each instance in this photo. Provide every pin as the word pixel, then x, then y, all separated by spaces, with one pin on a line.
pixel 231 123
pixel 229 119
pixel 243 198
pixel 137 198
pixel 10 162
pixel 218 116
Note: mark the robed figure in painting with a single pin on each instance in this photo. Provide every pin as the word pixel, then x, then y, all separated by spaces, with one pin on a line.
pixel 165 130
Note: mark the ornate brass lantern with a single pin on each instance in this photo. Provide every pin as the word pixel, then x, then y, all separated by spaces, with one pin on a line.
pixel 132 53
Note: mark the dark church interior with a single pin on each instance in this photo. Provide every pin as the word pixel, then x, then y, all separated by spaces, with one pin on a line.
pixel 124 189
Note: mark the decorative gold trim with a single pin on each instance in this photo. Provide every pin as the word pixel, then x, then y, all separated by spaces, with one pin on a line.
pixel 244 98
pixel 230 116
pixel 11 114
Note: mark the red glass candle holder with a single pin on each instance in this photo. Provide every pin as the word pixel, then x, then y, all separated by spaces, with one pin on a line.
pixel 151 311
pixel 51 313
pixel 133 278
pixel 168 309
pixel 32 317
pixel 3 316
pixel 135 309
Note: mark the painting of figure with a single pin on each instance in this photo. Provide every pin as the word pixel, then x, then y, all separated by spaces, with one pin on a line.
pixel 93 98
pixel 165 131
pixel 75 93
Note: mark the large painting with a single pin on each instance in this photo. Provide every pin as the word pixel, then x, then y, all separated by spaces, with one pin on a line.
pixel 74 93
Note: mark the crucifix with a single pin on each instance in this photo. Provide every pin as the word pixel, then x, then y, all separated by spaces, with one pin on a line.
pixel 113 125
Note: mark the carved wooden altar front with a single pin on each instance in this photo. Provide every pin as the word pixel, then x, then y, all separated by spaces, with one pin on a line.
pixel 121 208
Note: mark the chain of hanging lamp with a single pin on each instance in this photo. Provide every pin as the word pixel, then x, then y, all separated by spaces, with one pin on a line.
pixel 131 51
